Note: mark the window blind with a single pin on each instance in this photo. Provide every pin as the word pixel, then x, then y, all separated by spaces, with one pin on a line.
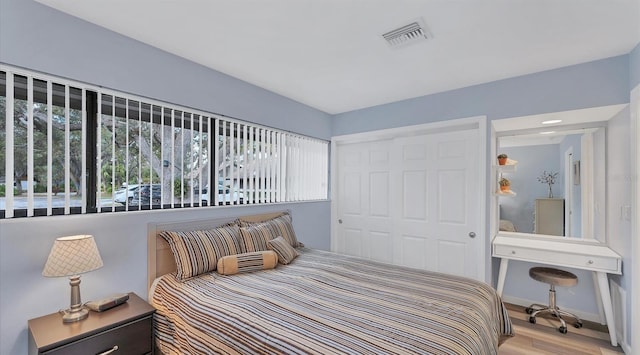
pixel 69 147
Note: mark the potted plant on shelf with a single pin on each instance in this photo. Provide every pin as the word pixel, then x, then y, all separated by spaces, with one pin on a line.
pixel 505 185
pixel 502 159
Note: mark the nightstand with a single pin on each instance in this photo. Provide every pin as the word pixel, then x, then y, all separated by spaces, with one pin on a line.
pixel 124 329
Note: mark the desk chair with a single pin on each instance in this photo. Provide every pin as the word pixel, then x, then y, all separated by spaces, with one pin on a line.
pixel 553 277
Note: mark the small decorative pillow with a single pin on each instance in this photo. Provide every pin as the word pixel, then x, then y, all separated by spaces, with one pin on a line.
pixel 279 226
pixel 286 253
pixel 247 262
pixel 197 252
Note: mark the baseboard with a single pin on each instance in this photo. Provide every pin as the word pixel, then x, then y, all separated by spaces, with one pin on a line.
pixel 593 317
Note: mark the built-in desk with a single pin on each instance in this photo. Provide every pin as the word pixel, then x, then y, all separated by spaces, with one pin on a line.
pixel 558 252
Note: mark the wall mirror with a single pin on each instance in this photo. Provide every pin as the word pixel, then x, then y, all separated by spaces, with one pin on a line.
pixel 556 173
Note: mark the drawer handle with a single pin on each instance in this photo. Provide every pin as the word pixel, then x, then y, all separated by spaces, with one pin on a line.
pixel 513 252
pixel 112 350
pixel 590 262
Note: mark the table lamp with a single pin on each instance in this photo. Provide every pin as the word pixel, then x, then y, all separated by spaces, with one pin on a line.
pixel 72 256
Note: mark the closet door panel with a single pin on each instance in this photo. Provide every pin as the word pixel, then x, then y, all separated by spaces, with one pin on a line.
pixel 412 201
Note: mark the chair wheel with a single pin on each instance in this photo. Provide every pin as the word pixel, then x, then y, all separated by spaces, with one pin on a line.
pixel 562 330
pixel 532 320
pixel 528 310
pixel 578 325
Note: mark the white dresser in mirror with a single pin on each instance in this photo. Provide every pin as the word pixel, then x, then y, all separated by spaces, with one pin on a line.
pixel 549 216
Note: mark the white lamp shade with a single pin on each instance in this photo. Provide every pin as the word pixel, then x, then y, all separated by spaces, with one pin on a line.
pixel 72 255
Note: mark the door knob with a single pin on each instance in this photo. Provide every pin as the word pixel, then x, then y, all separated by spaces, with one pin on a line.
pixel 472 234
pixel 340 221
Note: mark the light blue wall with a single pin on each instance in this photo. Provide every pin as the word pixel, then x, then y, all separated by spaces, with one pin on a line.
pixel 634 67
pixel 532 160
pixel 39 38
pixel 599 83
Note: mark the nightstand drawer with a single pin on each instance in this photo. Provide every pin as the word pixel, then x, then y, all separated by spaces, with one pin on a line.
pixel 131 338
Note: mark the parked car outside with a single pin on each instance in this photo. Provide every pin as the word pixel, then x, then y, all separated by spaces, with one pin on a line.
pixel 147 194
pixel 125 192
pixel 224 195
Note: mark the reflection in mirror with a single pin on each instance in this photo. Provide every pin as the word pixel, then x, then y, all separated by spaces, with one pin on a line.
pixel 558 181
pixel 575 149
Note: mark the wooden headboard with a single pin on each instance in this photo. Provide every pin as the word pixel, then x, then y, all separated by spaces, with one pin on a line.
pixel 160 259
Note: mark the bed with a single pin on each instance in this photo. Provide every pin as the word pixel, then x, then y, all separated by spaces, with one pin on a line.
pixel 319 303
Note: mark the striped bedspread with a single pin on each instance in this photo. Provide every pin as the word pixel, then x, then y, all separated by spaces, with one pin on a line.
pixel 325 303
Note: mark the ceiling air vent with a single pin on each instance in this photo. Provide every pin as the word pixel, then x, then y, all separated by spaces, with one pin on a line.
pixel 415 31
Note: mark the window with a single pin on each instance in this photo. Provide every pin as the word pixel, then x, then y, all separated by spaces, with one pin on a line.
pixel 146 144
pixel 68 147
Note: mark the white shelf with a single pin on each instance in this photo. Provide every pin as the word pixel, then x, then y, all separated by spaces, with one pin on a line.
pixel 509 167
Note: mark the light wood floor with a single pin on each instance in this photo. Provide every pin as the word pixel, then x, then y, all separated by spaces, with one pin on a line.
pixel 544 338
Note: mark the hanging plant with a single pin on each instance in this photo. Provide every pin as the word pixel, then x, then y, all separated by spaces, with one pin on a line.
pixel 548 178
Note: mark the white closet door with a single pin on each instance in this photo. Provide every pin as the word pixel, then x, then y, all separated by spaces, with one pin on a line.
pixel 412 201
pixel 364 188
pixel 437 203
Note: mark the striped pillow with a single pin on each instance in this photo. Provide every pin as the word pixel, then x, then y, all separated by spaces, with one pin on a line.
pixel 279 226
pixel 247 262
pixel 255 238
pixel 197 252
pixel 286 253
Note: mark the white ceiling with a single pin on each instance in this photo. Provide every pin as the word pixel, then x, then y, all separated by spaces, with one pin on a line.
pixel 329 54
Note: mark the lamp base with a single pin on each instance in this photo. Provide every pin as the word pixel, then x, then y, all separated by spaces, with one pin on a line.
pixel 75 315
pixel 76 311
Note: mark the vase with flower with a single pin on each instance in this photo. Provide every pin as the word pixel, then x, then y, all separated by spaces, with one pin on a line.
pixel 548 178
